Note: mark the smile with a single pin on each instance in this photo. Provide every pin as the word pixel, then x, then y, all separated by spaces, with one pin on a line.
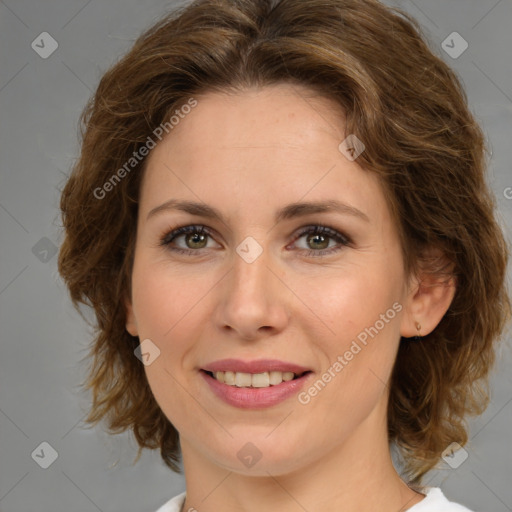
pixel 254 380
pixel 254 391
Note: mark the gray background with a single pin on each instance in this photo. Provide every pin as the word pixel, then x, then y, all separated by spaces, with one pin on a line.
pixel 43 339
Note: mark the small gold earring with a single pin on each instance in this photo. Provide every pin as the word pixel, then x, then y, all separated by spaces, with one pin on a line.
pixel 418 336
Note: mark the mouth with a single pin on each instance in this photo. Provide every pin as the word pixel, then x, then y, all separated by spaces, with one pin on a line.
pixel 254 380
pixel 263 383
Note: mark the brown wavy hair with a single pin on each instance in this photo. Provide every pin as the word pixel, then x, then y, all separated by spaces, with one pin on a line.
pixel 421 140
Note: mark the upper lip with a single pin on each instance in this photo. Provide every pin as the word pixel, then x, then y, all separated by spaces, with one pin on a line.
pixel 257 366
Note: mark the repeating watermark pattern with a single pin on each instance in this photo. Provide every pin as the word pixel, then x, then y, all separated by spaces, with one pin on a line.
pixel 304 397
pixel 147 352
pixel 45 455
pixel 351 147
pixel 249 454
pixel 454 45
pixel 249 249
pixel 44 45
pixel 44 250
pixel 454 455
pixel 143 151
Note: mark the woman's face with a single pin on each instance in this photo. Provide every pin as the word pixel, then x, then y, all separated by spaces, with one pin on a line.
pixel 258 284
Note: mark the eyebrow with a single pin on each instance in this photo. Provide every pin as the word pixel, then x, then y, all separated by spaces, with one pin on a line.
pixel 287 212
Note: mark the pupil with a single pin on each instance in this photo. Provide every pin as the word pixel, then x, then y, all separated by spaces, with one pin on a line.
pixel 319 236
pixel 195 236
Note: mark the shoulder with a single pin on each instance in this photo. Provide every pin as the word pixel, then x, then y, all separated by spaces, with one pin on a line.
pixel 436 501
pixel 174 504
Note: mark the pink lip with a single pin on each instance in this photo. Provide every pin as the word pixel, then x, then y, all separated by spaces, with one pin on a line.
pixel 258 366
pixel 255 398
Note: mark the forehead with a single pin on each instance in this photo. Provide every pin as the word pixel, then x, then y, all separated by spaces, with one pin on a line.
pixel 274 115
pixel 261 147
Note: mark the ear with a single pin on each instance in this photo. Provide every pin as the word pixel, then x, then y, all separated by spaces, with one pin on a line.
pixel 430 294
pixel 131 323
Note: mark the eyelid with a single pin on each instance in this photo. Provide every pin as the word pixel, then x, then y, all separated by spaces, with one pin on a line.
pixel 173 233
pixel 342 239
pixel 322 229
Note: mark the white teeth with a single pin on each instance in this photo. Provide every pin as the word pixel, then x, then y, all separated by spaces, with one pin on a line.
pixel 255 380
pixel 260 380
pixel 243 380
pixel 288 375
pixel 275 378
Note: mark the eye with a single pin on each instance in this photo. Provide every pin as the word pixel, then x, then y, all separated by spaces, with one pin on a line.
pixel 196 238
pixel 319 237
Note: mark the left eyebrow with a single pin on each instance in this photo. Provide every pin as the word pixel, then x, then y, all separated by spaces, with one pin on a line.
pixel 287 212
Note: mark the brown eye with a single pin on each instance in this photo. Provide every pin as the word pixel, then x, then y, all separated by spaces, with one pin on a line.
pixel 319 237
pixel 195 238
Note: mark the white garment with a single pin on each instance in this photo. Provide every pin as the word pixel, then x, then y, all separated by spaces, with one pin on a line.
pixel 435 501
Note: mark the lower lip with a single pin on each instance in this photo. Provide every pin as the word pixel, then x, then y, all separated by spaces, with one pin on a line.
pixel 255 398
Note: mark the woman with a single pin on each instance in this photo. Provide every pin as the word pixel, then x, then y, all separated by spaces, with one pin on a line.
pixel 234 137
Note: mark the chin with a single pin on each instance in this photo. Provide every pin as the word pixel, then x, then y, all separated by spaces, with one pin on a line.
pixel 259 458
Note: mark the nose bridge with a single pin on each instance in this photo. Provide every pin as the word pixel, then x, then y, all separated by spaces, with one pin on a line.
pixel 250 267
pixel 252 295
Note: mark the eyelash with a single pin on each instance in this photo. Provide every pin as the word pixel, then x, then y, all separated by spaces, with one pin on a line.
pixel 314 229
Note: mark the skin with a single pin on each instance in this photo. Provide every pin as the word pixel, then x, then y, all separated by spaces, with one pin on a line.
pixel 249 154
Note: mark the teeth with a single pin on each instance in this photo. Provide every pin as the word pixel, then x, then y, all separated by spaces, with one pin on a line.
pixel 259 380
pixel 243 380
pixel 255 380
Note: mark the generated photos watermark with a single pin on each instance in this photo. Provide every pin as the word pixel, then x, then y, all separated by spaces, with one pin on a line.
pixel 343 360
pixel 351 147
pixel 143 151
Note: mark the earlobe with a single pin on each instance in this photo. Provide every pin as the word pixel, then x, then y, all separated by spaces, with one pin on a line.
pixel 429 298
pixel 131 324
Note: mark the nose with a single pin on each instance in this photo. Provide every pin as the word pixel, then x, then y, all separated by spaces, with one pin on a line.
pixel 253 299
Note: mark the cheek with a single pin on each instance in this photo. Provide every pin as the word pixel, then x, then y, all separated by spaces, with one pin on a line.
pixel 163 297
pixel 163 305
pixel 361 308
pixel 350 299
